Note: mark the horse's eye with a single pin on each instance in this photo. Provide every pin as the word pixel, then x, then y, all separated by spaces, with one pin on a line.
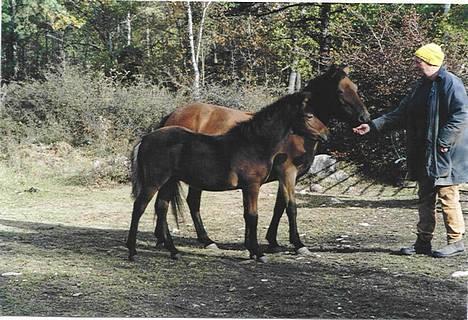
pixel 340 92
pixel 309 115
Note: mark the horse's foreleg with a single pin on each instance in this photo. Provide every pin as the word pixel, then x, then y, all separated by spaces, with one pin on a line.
pixel 161 207
pixel 193 201
pixel 250 198
pixel 288 186
pixel 139 206
pixel 272 232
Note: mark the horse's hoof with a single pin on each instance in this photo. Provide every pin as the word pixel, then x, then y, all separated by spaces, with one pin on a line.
pixel 303 251
pixel 176 256
pixel 131 258
pixel 262 259
pixel 212 246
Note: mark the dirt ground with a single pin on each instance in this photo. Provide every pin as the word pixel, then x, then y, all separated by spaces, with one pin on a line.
pixel 62 254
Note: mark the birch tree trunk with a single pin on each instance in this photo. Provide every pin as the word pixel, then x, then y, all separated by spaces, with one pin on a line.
pixel 195 51
pixel 293 75
pixel 148 39
pixel 129 29
pixel 298 81
pixel 292 79
pixel 14 42
pixel 196 71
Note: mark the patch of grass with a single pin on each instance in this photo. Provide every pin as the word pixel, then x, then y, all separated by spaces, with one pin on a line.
pixel 68 244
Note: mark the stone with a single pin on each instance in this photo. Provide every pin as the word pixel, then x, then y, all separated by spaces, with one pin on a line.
pixel 323 165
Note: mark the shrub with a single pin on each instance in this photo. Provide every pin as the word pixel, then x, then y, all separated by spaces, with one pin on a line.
pixel 97 117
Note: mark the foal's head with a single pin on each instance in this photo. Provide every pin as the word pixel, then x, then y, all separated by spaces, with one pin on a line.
pixel 308 125
pixel 287 114
pixel 334 95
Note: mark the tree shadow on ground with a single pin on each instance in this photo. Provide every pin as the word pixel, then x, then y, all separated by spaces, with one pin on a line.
pixel 318 200
pixel 286 287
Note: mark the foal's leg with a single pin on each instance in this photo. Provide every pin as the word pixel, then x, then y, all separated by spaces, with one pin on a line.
pixel 161 206
pixel 193 201
pixel 158 229
pixel 287 187
pixel 250 198
pixel 139 206
pixel 272 232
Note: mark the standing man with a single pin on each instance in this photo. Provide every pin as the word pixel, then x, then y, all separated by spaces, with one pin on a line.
pixel 435 116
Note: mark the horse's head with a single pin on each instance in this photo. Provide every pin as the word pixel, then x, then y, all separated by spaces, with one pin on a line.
pixel 334 95
pixel 308 125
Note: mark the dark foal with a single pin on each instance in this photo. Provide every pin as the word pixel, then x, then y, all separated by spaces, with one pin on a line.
pixel 333 95
pixel 242 159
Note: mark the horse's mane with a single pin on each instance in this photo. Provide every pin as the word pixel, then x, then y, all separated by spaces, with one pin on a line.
pixel 271 121
pixel 317 84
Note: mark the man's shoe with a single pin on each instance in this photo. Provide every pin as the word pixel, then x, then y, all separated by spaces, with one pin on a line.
pixel 419 247
pixel 450 250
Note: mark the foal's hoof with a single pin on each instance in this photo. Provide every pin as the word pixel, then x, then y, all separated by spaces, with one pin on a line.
pixel 303 251
pixel 212 246
pixel 159 244
pixel 273 249
pixel 262 259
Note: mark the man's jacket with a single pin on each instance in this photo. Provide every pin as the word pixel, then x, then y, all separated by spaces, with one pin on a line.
pixel 447 126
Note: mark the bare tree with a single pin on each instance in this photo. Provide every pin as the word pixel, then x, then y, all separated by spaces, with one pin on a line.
pixel 195 51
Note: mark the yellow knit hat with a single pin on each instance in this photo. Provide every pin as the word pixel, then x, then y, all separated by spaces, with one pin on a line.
pixel 431 54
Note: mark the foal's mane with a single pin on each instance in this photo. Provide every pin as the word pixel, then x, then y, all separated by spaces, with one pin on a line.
pixel 271 121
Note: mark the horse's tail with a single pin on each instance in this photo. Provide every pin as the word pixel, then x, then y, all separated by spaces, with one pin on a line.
pixel 137 172
pixel 177 203
pixel 137 175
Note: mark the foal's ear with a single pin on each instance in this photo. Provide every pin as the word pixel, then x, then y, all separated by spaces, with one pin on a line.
pixel 332 69
pixel 306 97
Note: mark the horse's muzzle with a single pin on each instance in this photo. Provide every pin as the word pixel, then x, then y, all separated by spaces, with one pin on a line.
pixel 323 137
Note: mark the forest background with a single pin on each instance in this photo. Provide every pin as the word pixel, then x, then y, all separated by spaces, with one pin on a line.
pixel 81 81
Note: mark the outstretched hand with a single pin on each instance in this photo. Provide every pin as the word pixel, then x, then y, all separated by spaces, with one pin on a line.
pixel 362 129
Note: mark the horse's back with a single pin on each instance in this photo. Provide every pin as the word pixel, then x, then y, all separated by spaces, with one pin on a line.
pixel 206 118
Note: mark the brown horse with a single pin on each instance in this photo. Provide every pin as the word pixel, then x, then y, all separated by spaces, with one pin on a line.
pixel 240 159
pixel 333 95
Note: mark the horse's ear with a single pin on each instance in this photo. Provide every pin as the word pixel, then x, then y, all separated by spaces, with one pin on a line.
pixel 346 69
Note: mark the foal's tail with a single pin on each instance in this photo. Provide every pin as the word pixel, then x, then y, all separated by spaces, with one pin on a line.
pixel 137 175
pixel 137 172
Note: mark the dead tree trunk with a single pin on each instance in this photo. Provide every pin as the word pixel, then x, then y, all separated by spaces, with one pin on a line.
pixel 324 41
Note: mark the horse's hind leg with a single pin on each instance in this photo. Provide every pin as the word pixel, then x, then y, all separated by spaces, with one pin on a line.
pixel 272 232
pixel 139 206
pixel 165 194
pixel 193 201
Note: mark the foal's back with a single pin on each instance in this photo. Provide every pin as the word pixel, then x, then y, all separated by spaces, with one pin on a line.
pixel 202 161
